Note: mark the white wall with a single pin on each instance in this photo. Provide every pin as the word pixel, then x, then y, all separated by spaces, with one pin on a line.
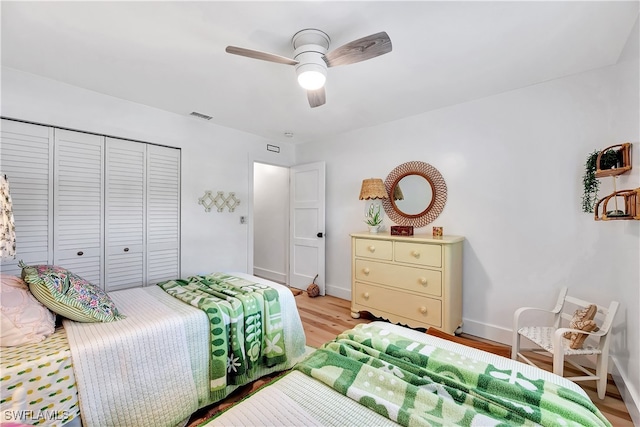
pixel 213 158
pixel 512 162
pixel 271 221
pixel 513 165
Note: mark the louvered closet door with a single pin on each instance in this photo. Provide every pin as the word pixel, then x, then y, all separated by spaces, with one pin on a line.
pixel 78 203
pixel 125 214
pixel 26 158
pixel 163 214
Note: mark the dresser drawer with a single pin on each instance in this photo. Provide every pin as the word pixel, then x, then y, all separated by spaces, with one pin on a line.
pixel 421 309
pixel 418 253
pixel 377 249
pixel 400 276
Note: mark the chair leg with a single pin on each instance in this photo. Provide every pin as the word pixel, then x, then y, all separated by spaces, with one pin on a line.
pixel 515 345
pixel 602 372
pixel 558 362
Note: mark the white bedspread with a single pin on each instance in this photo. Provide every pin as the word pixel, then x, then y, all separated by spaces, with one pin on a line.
pixel 152 368
pixel 137 371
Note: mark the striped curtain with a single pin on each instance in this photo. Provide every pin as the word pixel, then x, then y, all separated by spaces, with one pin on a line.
pixel 7 226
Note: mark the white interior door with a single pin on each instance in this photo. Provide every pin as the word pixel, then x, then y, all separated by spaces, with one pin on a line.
pixel 27 160
pixel 125 214
pixel 78 204
pixel 307 212
pixel 163 213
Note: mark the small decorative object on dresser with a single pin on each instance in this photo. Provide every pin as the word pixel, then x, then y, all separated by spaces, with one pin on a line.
pixel 412 280
pixel 402 230
pixel 374 218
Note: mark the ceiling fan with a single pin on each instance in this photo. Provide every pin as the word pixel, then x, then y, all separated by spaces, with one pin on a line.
pixel 311 59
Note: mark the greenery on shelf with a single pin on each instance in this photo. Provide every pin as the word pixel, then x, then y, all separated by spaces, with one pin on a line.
pixel 373 217
pixel 591 185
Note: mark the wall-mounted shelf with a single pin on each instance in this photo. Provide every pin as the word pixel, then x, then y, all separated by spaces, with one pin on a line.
pixel 624 161
pixel 630 204
pixel 616 160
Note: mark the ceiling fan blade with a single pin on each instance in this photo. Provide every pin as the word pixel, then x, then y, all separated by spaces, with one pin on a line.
pixel 316 97
pixel 359 50
pixel 255 54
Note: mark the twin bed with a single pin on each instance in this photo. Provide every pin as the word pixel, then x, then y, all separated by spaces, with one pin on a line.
pixel 155 368
pixel 152 368
pixel 379 374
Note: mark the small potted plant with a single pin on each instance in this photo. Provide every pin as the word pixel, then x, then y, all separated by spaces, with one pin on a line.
pixel 373 218
pixel 608 160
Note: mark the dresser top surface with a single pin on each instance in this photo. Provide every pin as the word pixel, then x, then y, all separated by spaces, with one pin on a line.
pixel 386 235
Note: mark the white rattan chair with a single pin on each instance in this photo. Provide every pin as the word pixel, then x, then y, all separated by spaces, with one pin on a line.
pixel 550 338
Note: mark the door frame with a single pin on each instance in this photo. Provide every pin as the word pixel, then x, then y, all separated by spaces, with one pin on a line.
pixel 250 229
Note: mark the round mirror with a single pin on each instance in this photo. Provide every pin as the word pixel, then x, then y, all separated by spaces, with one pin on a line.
pixel 412 195
pixel 418 194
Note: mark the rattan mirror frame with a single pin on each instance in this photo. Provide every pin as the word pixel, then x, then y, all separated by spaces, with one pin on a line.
pixel 438 199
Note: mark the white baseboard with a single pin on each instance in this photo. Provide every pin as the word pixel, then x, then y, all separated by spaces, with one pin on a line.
pixel 341 293
pixel 486 331
pixel 270 275
pixel 630 396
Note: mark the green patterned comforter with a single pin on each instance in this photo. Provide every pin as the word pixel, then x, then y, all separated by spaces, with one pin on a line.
pixel 417 384
pixel 246 325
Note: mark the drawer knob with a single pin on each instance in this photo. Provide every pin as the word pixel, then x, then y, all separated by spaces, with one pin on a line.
pixel 423 280
pixel 366 295
pixel 80 253
pixel 372 248
pixel 366 271
pixel 423 310
pixel 415 254
pixel 126 249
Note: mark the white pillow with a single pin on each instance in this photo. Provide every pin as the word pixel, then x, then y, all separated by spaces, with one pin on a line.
pixel 24 318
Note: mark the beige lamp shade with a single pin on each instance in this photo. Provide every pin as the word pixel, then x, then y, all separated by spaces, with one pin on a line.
pixel 373 188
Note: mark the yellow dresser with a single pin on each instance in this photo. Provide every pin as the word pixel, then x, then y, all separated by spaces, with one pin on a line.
pixel 412 280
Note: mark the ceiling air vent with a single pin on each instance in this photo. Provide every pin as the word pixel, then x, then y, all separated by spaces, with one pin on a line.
pixel 200 115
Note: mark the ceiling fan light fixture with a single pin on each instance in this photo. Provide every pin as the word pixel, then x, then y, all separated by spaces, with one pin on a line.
pixel 311 57
pixel 311 68
pixel 311 76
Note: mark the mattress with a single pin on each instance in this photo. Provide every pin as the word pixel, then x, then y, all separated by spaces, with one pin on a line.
pixel 38 385
pixel 298 399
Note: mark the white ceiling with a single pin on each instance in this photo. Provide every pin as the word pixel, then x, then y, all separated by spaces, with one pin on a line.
pixel 170 55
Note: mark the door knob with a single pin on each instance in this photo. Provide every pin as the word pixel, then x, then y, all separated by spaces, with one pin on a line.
pixel 319 234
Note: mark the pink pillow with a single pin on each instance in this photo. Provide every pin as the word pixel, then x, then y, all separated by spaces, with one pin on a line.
pixel 24 318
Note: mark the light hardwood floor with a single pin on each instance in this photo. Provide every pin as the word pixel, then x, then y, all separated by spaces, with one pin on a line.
pixel 325 317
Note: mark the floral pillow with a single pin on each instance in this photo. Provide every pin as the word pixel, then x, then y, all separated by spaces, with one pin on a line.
pixel 69 295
